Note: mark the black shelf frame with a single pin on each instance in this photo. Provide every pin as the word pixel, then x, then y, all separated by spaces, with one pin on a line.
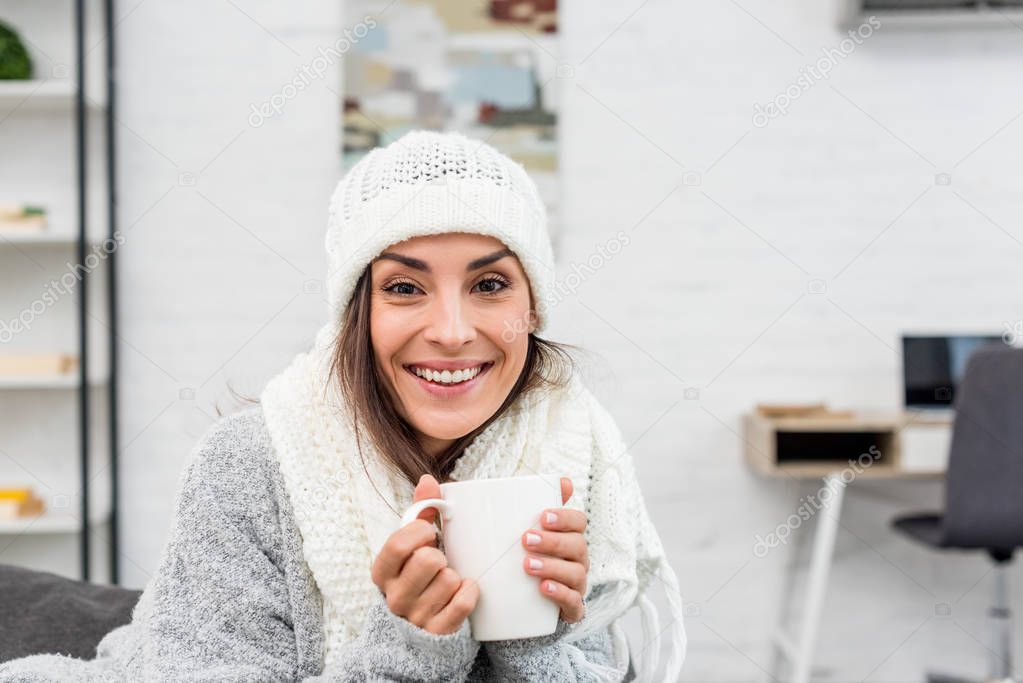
pixel 85 393
pixel 111 185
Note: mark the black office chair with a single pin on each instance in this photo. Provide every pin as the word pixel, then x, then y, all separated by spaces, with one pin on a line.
pixel 984 485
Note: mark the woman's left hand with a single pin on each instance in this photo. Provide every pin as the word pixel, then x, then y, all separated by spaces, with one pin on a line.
pixel 562 555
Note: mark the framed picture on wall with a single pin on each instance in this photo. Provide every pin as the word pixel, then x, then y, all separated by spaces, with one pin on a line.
pixel 486 69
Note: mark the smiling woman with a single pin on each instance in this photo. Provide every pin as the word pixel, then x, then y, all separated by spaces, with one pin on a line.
pixel 441 277
pixel 434 304
pixel 437 331
pixel 288 559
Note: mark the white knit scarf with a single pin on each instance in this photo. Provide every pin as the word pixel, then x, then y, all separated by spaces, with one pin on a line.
pixel 344 520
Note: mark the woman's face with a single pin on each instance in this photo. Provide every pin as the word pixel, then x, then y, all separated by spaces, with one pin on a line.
pixel 457 304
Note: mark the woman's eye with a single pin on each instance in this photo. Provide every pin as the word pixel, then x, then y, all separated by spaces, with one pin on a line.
pixel 487 286
pixel 492 285
pixel 405 288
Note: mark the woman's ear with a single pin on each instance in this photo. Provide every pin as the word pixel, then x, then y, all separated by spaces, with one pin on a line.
pixel 533 318
pixel 531 314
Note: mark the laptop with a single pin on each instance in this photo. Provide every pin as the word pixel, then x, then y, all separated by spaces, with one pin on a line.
pixel 933 366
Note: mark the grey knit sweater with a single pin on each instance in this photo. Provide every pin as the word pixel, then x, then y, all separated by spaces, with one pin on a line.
pixel 233 599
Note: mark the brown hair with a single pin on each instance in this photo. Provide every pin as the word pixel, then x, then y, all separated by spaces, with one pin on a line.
pixel 354 367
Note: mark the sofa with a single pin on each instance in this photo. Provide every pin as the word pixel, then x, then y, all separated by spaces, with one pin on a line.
pixel 48 613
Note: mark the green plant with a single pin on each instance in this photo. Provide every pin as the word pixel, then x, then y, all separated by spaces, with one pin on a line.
pixel 14 59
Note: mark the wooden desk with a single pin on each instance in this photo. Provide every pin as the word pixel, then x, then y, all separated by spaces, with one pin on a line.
pixel 813 447
pixel 838 450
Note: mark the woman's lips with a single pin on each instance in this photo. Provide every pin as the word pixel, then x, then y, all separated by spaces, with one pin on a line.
pixel 450 390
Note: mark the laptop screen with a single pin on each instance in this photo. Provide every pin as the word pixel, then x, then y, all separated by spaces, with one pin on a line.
pixel 932 367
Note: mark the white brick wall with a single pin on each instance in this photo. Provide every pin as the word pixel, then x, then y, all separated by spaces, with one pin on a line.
pixel 711 293
pixel 224 224
pixel 708 290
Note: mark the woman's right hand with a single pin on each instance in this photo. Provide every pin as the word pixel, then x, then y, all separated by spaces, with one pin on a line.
pixel 414 575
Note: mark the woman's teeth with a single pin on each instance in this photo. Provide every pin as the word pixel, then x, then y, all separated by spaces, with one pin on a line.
pixel 447 376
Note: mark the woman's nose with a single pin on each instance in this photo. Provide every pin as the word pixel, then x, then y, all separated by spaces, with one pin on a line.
pixel 450 321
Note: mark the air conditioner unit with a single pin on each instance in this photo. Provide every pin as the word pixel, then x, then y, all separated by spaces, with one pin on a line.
pixel 933 13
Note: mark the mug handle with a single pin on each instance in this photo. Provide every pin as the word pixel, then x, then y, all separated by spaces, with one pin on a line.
pixel 442 506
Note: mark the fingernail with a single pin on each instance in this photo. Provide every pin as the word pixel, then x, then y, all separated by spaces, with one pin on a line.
pixel 551 587
pixel 551 518
pixel 532 539
pixel 535 563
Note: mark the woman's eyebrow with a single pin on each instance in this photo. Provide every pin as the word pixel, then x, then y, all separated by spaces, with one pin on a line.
pixel 488 259
pixel 419 264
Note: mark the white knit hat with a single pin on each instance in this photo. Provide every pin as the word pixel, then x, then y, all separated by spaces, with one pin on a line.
pixel 427 183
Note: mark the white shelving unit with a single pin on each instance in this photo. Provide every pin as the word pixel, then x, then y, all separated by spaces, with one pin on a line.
pixel 57 435
pixel 56 382
pixel 13 238
pixel 42 95
pixel 52 522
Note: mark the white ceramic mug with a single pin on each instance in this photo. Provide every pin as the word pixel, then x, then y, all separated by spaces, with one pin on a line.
pixel 482 523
